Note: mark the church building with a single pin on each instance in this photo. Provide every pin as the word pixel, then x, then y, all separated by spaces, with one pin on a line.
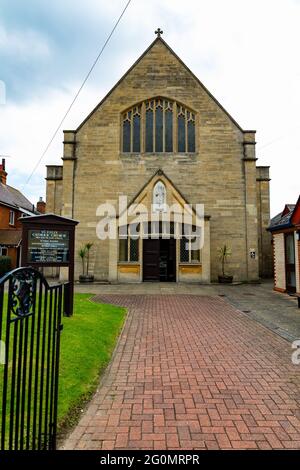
pixel 160 139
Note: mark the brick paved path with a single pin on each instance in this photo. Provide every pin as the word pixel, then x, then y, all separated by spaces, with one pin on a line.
pixel 192 372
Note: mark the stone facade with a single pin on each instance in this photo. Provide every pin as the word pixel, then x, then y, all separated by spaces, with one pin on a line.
pixel 279 262
pixel 221 173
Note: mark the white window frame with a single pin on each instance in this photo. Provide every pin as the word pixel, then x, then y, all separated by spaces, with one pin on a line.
pixel 11 217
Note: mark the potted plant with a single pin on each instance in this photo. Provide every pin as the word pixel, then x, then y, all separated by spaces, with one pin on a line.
pixel 84 254
pixel 224 254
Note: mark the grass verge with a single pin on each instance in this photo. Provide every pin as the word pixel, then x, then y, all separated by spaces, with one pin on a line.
pixel 87 343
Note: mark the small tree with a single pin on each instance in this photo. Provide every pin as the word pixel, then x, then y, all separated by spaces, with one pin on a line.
pixel 87 247
pixel 82 255
pixel 224 254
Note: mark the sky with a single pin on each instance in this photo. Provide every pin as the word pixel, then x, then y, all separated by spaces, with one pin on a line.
pixel 245 53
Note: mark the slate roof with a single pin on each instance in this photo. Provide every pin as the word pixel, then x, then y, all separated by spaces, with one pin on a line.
pixel 283 219
pixel 13 197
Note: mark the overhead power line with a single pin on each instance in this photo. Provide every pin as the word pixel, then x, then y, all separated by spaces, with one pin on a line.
pixel 78 92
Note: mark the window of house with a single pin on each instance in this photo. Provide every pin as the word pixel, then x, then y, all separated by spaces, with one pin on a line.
pixel 158 125
pixel 11 218
pixel 3 251
pixel 128 249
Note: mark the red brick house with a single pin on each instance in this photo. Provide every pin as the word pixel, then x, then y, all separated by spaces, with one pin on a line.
pixel 285 229
pixel 13 205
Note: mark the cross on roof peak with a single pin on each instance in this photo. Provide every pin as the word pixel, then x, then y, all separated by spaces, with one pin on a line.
pixel 159 32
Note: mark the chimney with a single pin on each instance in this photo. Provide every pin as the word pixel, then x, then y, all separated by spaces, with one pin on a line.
pixel 3 173
pixel 41 206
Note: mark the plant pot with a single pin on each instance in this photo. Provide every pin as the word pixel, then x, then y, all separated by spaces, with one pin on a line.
pixel 86 278
pixel 225 279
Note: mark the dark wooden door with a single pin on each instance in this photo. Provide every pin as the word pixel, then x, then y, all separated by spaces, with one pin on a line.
pixel 290 264
pixel 151 259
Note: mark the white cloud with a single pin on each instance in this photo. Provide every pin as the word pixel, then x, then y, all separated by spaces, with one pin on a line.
pixel 24 44
pixel 26 130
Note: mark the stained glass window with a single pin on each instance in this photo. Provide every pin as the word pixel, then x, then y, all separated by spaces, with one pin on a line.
pixel 149 129
pixel 159 127
pixel 155 119
pixel 181 128
pixel 137 131
pixel 169 128
pixel 191 135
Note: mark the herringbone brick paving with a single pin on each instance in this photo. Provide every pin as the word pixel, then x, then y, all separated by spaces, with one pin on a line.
pixel 191 372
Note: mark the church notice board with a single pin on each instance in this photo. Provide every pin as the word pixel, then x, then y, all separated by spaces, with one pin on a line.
pixel 48 246
pixel 47 241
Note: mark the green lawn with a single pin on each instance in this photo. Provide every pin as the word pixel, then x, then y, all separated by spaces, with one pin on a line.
pixel 88 339
pixel 87 342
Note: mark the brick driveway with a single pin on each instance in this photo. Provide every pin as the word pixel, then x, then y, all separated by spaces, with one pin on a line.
pixel 191 372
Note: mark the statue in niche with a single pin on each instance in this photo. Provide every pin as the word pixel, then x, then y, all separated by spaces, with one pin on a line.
pixel 159 196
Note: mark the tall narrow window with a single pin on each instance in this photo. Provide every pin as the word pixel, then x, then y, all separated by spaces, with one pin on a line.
pixel 168 126
pixel 136 129
pixel 128 247
pixel 11 218
pixel 191 131
pixel 149 127
pixel 127 132
pixel 159 127
pixel 134 249
pixel 184 250
pixel 159 197
pixel 181 129
pixel 190 251
pixel 123 249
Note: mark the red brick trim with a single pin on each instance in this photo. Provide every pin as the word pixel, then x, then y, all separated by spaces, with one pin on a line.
pixel 278 289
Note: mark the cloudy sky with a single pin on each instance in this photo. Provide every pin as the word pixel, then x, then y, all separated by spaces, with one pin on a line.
pixel 245 53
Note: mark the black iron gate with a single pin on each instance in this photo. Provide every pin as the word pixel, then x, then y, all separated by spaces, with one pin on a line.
pixel 30 327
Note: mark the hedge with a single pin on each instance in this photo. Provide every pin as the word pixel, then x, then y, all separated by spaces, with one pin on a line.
pixel 5 265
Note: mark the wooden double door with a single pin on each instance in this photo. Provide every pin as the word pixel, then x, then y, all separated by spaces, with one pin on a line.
pixel 159 260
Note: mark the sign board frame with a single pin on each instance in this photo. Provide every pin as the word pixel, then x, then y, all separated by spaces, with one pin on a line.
pixel 51 222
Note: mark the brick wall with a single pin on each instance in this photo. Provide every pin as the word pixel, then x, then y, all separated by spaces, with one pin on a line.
pixel 4 218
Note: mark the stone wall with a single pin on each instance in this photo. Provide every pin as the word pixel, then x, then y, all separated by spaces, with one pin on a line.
pixel 279 262
pixel 54 189
pixel 221 174
pixel 263 214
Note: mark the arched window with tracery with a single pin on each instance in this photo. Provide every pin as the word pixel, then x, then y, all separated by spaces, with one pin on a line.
pixel 132 130
pixel 159 125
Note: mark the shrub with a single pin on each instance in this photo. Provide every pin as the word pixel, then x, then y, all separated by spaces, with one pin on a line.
pixel 5 265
